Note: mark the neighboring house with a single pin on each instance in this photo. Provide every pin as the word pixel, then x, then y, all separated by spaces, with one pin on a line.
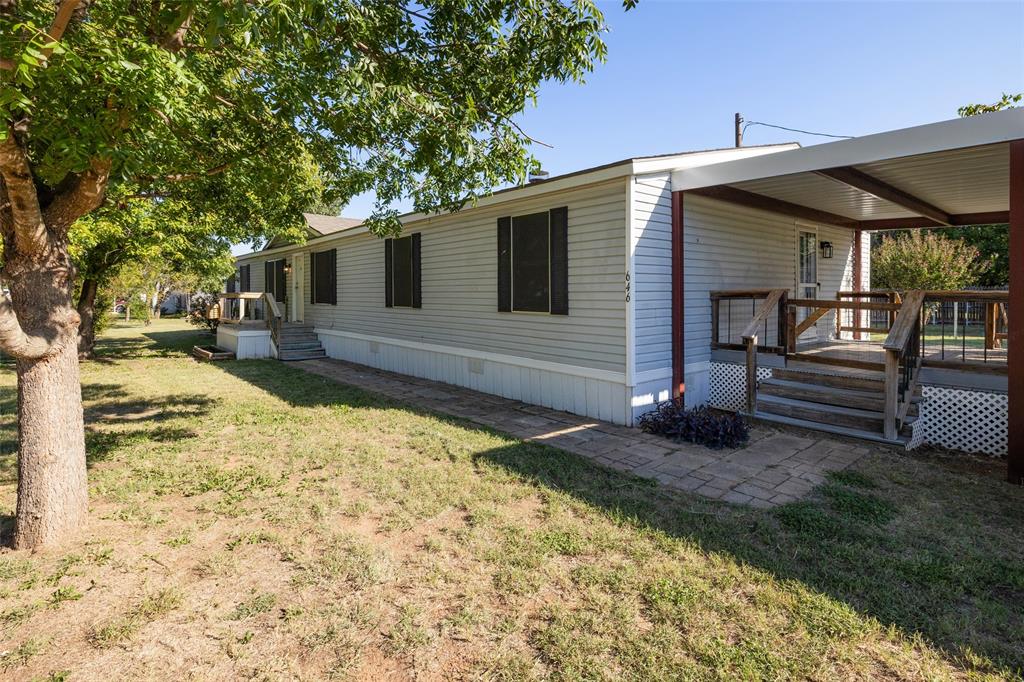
pixel 604 291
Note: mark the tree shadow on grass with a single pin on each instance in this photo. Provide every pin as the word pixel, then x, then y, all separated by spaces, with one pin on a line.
pixel 911 545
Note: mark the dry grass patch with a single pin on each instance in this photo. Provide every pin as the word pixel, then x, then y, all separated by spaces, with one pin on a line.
pixel 250 520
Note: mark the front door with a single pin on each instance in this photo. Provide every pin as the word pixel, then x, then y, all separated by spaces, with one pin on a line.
pixel 807 277
pixel 297 295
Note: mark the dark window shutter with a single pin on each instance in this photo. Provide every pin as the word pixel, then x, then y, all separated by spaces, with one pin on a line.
pixel 417 290
pixel 505 265
pixel 246 278
pixel 230 284
pixel 560 261
pixel 268 276
pixel 388 294
pixel 333 278
pixel 312 277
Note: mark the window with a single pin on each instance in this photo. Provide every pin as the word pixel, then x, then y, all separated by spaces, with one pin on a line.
pixel 533 272
pixel 323 277
pixel 274 279
pixel 402 272
pixel 244 278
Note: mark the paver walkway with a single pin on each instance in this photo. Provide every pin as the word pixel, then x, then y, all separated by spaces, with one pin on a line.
pixel 774 468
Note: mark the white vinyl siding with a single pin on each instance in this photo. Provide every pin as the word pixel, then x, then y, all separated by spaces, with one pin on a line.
pixel 459 284
pixel 652 276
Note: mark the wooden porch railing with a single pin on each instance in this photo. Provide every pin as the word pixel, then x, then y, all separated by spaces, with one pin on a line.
pixel 902 361
pixel 252 308
pixel 774 303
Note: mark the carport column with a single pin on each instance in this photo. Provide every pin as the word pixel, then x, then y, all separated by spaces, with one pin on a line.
pixel 858 277
pixel 678 378
pixel 1015 308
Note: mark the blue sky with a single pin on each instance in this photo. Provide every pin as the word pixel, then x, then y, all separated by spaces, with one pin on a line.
pixel 677 72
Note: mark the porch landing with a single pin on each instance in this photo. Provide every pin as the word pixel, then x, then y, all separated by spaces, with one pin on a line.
pixel 776 467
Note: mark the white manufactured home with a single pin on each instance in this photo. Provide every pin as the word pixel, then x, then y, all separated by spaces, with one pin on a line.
pixel 605 291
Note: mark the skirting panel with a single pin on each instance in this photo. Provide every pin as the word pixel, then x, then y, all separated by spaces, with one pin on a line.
pixel 972 421
pixel 580 395
pixel 246 344
pixel 728 386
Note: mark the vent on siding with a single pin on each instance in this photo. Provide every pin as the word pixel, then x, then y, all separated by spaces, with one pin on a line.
pixel 374 347
pixel 476 365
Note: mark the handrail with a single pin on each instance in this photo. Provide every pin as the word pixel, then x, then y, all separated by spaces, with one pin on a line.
pixel 769 303
pixel 273 318
pixel 899 334
pixel 903 331
pixel 774 298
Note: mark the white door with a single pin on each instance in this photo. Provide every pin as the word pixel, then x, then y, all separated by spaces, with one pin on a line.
pixel 807 277
pixel 297 295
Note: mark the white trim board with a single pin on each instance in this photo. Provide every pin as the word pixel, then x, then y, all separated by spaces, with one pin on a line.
pixel 543 365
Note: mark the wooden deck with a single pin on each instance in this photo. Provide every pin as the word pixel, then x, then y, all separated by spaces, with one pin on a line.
pixel 871 355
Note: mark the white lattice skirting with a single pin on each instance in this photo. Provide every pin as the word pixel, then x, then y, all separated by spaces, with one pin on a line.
pixel 972 421
pixel 728 389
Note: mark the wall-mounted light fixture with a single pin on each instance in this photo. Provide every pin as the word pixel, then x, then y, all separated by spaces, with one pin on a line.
pixel 288 268
pixel 826 249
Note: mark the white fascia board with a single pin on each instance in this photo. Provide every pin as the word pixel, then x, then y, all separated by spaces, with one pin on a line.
pixel 960 133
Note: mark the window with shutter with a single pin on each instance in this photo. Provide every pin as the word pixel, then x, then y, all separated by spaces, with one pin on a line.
pixel 533 267
pixel 402 271
pixel 324 277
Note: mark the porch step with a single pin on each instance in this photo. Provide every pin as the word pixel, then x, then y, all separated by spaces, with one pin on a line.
pixel 861 434
pixel 291 344
pixel 859 381
pixel 298 341
pixel 824 414
pixel 823 390
pixel 309 354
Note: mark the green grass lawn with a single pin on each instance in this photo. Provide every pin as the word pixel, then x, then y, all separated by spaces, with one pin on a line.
pixel 252 520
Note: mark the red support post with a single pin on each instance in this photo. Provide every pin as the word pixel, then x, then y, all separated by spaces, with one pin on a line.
pixel 1015 322
pixel 678 306
pixel 858 277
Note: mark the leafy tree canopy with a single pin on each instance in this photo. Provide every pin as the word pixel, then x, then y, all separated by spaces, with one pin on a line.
pixel 212 103
pixel 1005 102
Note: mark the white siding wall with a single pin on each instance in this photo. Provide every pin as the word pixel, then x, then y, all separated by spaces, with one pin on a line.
pixel 459 317
pixel 651 232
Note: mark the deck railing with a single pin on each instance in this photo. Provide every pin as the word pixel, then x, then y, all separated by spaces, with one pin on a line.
pixel 966 329
pixel 902 360
pixel 731 315
pixel 252 308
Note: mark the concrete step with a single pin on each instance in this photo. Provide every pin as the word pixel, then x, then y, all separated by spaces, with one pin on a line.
pixel 835 415
pixel 861 434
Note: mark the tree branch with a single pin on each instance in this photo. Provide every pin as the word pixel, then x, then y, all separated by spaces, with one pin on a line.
pixel 176 39
pixel 65 11
pixel 29 228
pixel 15 341
pixel 85 194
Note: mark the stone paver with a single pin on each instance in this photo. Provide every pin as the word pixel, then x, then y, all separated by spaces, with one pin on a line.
pixel 776 467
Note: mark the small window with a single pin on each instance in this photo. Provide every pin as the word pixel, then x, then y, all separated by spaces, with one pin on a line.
pixel 402 272
pixel 323 276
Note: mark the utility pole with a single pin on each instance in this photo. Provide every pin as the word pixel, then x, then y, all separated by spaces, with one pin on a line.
pixel 739 130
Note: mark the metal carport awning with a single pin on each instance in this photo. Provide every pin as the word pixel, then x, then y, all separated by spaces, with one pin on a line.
pixel 966 171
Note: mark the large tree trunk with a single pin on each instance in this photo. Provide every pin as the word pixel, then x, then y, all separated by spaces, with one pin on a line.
pixel 52 488
pixel 87 312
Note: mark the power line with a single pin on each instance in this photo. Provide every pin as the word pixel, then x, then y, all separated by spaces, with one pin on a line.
pixel 795 130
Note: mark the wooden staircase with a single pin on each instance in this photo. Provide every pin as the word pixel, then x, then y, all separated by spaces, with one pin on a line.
pixel 832 400
pixel 297 341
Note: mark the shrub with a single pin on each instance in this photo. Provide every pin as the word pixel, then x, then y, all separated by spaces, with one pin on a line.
pixel 700 425
pixel 199 314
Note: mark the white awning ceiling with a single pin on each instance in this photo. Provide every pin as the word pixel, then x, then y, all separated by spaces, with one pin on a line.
pixel 960 167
